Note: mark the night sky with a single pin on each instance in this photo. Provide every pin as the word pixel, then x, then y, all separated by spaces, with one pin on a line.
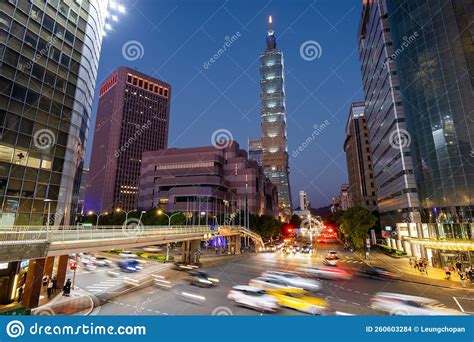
pixel 179 37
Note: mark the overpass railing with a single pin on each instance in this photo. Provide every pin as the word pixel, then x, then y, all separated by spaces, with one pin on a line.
pixel 62 234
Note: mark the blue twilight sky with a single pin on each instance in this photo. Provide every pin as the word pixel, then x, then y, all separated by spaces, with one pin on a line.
pixel 179 37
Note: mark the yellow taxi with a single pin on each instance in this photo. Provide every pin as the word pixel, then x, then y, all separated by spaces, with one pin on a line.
pixel 298 299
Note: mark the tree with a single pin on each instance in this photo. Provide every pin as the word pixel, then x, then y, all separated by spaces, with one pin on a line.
pixel 355 225
pixel 295 221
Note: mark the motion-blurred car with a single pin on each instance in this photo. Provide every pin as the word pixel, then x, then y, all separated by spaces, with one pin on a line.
pixel 129 265
pixel 294 280
pixel 101 261
pixel 400 304
pixel 376 273
pixel 330 261
pixel 181 266
pixel 306 249
pixel 268 283
pixel 332 254
pixel 152 249
pixel 253 298
pixel 298 299
pixel 202 279
pixel 128 255
pixel 330 273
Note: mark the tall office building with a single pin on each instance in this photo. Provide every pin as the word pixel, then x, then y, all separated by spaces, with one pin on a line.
pixel 273 115
pixel 132 117
pixel 304 203
pixel 256 150
pixel 432 55
pixel 49 56
pixel 397 196
pixel 359 159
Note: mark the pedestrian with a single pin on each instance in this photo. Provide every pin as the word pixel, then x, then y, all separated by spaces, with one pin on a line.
pixel 425 265
pixel 459 266
pixel 447 272
pixel 50 288
pixel 21 289
pixel 55 285
pixel 470 275
pixel 45 281
pixel 410 261
pixel 67 288
pixel 463 279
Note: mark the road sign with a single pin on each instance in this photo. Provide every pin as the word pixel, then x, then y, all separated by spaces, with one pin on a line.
pixel 367 241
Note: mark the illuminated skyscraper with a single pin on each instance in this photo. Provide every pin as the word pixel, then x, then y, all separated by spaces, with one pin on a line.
pixel 273 114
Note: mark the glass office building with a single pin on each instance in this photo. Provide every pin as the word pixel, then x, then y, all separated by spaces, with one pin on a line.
pixel 273 115
pixel 434 53
pixel 49 55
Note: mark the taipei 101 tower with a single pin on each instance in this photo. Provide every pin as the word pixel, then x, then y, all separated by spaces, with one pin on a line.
pixel 273 115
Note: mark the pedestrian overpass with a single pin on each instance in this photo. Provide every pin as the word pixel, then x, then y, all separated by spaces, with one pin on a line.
pixel 48 248
pixel 34 242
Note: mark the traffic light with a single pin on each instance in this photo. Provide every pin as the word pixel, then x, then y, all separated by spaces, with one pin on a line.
pixel 288 229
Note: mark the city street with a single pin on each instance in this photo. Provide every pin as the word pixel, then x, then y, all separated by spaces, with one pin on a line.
pixel 350 297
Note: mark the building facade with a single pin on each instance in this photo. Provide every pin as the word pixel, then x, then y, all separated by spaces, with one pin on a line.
pixel 132 117
pixel 397 196
pixel 359 159
pixel 273 116
pixel 205 179
pixel 432 54
pixel 49 56
pixel 256 150
pixel 345 197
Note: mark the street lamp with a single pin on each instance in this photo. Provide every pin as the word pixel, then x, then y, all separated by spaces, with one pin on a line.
pixel 90 213
pixel 202 213
pixel 118 210
pixel 141 215
pixel 161 212
pixel 49 213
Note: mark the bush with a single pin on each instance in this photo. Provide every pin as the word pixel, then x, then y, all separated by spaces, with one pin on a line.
pixel 391 251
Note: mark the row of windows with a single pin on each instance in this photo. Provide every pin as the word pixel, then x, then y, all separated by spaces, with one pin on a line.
pixel 147 85
pixel 108 84
pixel 184 165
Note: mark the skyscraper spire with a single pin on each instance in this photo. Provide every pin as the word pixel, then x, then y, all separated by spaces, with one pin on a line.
pixel 271 40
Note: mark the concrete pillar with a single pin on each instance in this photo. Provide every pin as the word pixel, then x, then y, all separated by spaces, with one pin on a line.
pixel 48 267
pixel 61 270
pixel 33 283
pixel 190 251
pixel 185 252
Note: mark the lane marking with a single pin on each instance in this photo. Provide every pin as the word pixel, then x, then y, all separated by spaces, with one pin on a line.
pixel 460 307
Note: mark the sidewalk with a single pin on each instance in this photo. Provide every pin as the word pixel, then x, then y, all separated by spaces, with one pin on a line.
pixel 435 276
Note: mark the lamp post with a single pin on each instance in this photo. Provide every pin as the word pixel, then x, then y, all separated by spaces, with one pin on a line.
pixel 202 213
pixel 118 210
pixel 47 220
pixel 141 215
pixel 90 213
pixel 161 212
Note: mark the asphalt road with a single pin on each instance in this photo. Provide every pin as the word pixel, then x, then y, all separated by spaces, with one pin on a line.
pixel 345 297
